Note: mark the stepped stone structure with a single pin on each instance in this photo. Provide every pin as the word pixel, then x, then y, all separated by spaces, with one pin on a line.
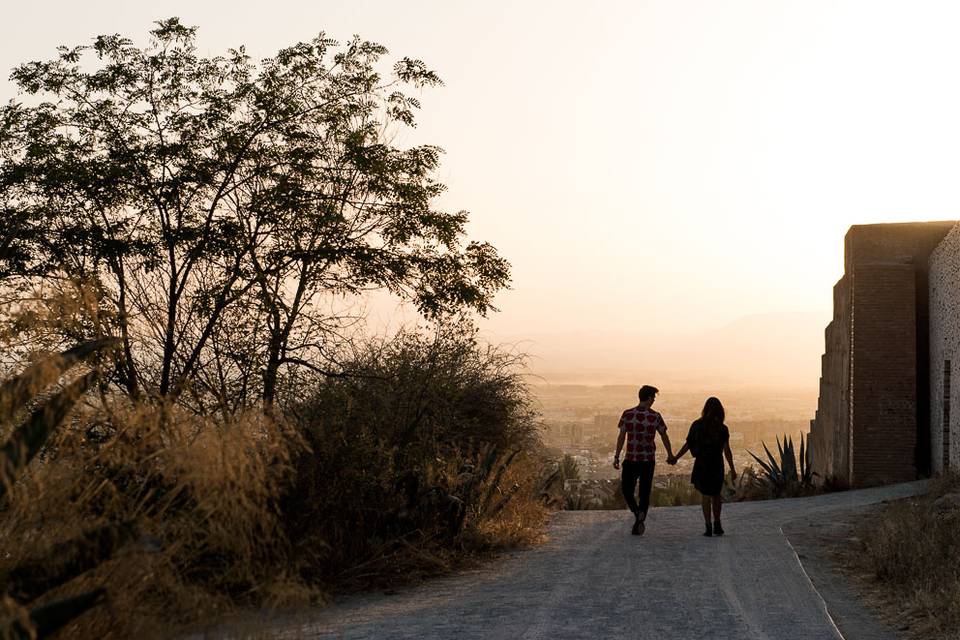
pixel 872 421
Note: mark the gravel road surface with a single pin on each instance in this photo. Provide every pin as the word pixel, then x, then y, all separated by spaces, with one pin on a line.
pixel 592 579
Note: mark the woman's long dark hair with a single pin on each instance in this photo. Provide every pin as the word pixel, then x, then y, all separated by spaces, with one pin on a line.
pixel 713 410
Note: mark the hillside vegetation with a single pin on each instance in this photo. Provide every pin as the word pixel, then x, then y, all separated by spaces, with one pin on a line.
pixel 244 442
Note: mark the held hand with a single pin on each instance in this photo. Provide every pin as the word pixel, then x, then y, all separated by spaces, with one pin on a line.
pixel 671 460
pixel 616 463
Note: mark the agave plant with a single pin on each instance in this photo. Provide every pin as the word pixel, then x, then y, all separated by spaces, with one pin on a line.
pixel 785 473
pixel 67 560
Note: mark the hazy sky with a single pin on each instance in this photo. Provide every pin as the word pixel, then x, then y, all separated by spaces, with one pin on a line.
pixel 651 169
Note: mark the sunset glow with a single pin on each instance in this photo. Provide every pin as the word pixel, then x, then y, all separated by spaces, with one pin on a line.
pixel 654 171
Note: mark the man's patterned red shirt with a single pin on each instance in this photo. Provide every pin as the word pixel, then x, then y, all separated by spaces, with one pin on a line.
pixel 641 425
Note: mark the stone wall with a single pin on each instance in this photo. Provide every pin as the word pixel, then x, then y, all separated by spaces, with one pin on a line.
pixel 945 352
pixel 829 427
pixel 870 425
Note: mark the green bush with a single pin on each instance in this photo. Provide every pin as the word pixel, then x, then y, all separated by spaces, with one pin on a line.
pixel 425 442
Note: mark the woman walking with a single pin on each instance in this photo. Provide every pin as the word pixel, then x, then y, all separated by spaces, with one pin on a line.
pixel 709 442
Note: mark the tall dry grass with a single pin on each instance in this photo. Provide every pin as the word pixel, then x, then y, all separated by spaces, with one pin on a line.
pixel 912 549
pixel 423 459
pixel 202 496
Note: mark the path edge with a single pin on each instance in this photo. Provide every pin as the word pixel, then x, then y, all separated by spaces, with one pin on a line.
pixel 823 602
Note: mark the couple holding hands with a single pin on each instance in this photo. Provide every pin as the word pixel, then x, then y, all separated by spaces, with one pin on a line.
pixel 708 441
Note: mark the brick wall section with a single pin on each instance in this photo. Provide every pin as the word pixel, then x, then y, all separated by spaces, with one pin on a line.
pixel 871 424
pixel 883 430
pixel 945 347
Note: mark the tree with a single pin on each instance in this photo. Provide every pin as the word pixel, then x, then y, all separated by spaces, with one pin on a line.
pixel 196 193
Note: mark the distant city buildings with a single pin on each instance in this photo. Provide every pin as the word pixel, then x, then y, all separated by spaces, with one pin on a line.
pixel 581 421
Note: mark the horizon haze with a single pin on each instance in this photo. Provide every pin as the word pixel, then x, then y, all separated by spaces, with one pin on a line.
pixel 670 181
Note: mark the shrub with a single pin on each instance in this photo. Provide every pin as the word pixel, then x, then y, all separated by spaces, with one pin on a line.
pixel 423 458
pixel 428 445
pixel 673 491
pixel 913 550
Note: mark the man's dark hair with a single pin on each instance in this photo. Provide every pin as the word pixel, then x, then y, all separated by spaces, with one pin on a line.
pixel 648 393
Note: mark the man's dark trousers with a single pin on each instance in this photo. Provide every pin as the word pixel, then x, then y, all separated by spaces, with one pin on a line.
pixel 631 471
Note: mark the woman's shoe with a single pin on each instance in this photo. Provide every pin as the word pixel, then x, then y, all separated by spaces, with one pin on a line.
pixel 717 529
pixel 709 531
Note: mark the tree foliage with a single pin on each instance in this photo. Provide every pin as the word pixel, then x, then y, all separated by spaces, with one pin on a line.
pixel 217 204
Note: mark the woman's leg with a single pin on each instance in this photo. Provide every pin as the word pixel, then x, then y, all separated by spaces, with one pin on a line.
pixel 705 503
pixel 717 527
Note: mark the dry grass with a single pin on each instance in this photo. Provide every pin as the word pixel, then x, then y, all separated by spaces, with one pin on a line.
pixel 428 464
pixel 911 552
pixel 203 498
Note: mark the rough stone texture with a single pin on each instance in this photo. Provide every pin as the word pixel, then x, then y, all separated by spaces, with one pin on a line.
pixel 945 352
pixel 874 408
pixel 830 427
pixel 594 580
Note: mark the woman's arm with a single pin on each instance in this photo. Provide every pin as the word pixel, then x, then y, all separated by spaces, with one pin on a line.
pixel 683 450
pixel 729 455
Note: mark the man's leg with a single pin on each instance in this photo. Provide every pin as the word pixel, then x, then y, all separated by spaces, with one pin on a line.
pixel 646 485
pixel 628 483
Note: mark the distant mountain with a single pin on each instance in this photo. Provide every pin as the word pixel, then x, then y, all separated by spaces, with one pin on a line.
pixel 768 350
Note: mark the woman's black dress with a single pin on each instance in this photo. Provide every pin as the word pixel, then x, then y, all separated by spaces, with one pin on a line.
pixel 707 439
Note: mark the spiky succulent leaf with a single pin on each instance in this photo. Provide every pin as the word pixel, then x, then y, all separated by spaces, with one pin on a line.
pixel 776 470
pixel 50 617
pixel 789 461
pixel 27 440
pixel 763 465
pixel 16 392
pixel 67 560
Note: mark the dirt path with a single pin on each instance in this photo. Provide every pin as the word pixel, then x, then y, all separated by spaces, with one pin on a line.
pixel 593 579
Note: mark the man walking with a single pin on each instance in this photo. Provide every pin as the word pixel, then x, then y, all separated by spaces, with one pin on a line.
pixel 638 426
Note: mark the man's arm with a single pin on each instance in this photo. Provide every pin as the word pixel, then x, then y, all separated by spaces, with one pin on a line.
pixel 616 457
pixel 666 444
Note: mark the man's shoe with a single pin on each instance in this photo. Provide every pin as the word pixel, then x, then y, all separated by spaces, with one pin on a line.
pixel 641 527
pixel 709 531
pixel 717 529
